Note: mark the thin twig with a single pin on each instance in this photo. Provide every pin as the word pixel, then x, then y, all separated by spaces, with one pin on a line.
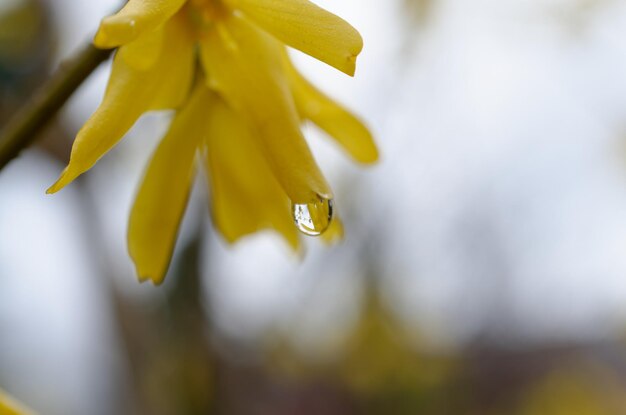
pixel 23 127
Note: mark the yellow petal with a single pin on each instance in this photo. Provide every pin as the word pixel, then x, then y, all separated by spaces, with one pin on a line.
pixel 331 117
pixel 130 93
pixel 135 18
pixel 175 67
pixel 8 406
pixel 334 233
pixel 246 197
pixel 307 27
pixel 163 194
pixel 246 69
pixel 143 52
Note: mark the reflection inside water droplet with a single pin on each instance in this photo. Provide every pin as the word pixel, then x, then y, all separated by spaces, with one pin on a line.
pixel 313 218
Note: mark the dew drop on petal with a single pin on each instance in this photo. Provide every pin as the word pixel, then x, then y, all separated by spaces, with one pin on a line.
pixel 313 219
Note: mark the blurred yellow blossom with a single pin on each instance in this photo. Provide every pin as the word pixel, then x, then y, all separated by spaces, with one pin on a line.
pixel 9 406
pixel 578 388
pixel 223 65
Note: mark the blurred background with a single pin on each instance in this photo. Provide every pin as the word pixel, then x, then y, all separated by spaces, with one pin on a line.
pixel 483 270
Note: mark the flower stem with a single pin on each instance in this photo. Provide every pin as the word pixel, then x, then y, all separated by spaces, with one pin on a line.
pixel 22 128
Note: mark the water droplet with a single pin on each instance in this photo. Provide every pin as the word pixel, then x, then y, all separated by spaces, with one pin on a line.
pixel 313 218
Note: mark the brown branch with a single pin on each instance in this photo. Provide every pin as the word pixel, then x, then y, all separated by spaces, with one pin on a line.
pixel 22 128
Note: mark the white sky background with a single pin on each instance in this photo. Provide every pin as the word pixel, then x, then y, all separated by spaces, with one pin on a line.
pixel 499 202
pixel 510 126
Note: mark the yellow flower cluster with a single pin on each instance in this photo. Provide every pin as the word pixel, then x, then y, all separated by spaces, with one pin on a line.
pixel 239 101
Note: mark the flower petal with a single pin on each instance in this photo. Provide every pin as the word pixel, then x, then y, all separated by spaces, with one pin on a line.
pixel 307 27
pixel 135 18
pixel 331 117
pixel 175 67
pixel 143 52
pixel 246 197
pixel 164 191
pixel 335 232
pixel 130 93
pixel 245 67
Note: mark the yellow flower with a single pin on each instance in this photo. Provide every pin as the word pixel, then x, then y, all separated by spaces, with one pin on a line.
pixel 8 406
pixel 223 65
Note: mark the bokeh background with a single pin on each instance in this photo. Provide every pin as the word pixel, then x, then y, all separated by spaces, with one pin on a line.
pixel 483 270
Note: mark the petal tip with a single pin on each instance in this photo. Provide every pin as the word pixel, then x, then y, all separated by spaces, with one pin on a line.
pixel 350 67
pixel 51 190
pixel 300 253
pixel 145 270
pixel 148 276
pixel 373 157
pixel 115 31
pixel 101 40
pixel 61 182
pixel 335 233
pixel 293 242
